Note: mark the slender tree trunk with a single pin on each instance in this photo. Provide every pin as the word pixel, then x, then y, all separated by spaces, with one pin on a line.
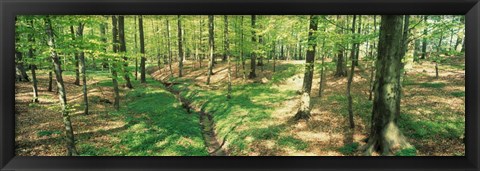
pixel 50 80
pixel 135 37
pixel 226 48
pixel 123 49
pixel 350 76
pixel 114 67
pixel 385 135
pixel 33 67
pixel 305 106
pixel 142 50
pixel 77 65
pixel 82 70
pixel 180 47
pixel 169 48
pixel 424 41
pixel 201 43
pixel 241 49
pixel 253 55
pixel 210 46
pixel 372 70
pixel 322 68
pixel 70 139
pixel 103 30
pixel 341 71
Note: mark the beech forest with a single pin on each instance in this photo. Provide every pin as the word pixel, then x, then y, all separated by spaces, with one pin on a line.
pixel 239 85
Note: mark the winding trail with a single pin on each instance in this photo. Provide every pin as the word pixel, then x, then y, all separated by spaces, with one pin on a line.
pixel 214 147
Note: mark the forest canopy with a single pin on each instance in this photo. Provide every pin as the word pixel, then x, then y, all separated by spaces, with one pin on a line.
pixel 240 85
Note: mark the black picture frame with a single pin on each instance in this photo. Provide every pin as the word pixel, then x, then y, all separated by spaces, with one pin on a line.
pixel 10 8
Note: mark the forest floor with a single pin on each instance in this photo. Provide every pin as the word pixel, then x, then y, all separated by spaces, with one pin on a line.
pixel 256 121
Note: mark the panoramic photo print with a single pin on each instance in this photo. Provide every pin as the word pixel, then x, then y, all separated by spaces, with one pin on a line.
pixel 240 85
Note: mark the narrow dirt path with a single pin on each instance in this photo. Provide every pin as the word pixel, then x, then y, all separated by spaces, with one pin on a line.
pixel 214 147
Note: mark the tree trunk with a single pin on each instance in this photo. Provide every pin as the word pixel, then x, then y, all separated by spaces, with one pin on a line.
pixel 372 71
pixel 114 67
pixel 241 49
pixel 304 110
pixel 424 43
pixel 103 30
pixel 350 76
pixel 321 86
pixel 226 51
pixel 180 47
pixel 77 65
pixel 33 67
pixel 253 55
pixel 169 48
pixel 21 72
pixel 142 50
pixel 135 50
pixel 123 49
pixel 210 47
pixel 71 150
pixel 385 135
pixel 341 70
pixel 82 70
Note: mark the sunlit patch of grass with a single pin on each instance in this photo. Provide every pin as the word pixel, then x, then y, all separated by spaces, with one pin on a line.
pixel 157 125
pixel 423 129
pixel 285 71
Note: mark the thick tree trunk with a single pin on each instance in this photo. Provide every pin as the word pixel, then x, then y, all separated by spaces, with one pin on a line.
pixel 82 70
pixel 71 150
pixel 180 47
pixel 142 50
pixel 385 136
pixel 114 66
pixel 210 47
pixel 21 72
pixel 253 56
pixel 123 49
pixel 305 106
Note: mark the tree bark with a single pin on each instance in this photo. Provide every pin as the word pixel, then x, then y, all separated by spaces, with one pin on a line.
pixel 341 71
pixel 142 50
pixel 226 51
pixel 135 37
pixel 424 41
pixel 123 49
pixel 114 67
pixel 210 46
pixel 350 76
pixel 253 55
pixel 33 67
pixel 77 65
pixel 385 136
pixel 169 48
pixel 180 47
pixel 305 106
pixel 70 139
pixel 82 69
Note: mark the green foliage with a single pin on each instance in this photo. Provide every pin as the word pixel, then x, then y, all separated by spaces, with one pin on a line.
pixel 349 149
pixel 458 93
pixel 432 85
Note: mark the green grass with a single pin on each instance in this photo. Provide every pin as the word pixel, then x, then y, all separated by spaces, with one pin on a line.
pixel 156 125
pixel 458 94
pixel 349 149
pixel 407 152
pixel 292 142
pixel 424 129
pixel 432 85
pixel 47 133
